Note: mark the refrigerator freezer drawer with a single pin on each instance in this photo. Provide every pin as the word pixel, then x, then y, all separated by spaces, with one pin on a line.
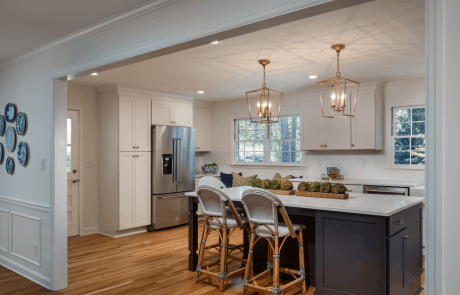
pixel 169 210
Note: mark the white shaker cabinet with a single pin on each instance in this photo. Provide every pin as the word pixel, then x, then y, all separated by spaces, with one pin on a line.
pixel 361 132
pixel 134 190
pixel 202 124
pixel 134 124
pixel 172 113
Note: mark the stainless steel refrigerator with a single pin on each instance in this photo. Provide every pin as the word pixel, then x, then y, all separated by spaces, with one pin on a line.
pixel 173 174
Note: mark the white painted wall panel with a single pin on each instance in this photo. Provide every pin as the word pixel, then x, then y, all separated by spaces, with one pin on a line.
pixel 25 234
pixel 4 224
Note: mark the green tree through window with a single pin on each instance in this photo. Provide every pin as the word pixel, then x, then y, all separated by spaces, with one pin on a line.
pixel 409 136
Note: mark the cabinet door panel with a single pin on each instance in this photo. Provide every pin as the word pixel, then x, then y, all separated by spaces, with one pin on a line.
pixel 182 115
pixel 363 124
pixel 338 134
pixel 312 125
pixel 413 263
pixel 161 113
pixel 126 136
pixel 142 188
pixel 396 263
pixel 126 190
pixel 143 124
pixel 202 125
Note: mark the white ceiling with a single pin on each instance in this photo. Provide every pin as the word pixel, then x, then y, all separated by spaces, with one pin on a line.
pixel 28 24
pixel 385 39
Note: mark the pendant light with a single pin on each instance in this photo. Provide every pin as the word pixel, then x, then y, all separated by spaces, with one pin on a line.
pixel 268 101
pixel 338 89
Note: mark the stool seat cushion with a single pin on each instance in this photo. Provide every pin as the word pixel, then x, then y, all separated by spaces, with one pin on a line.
pixel 231 222
pixel 283 230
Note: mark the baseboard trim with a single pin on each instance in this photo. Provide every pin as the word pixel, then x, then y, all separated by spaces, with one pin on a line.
pixel 26 272
pixel 90 231
pixel 131 231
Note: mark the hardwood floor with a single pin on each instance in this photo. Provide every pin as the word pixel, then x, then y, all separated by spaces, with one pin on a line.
pixel 147 263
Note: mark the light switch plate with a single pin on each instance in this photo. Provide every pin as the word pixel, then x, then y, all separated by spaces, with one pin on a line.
pixel 43 164
pixel 35 250
pixel 364 162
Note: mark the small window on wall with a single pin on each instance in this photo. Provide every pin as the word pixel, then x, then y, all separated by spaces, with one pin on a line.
pixel 268 143
pixel 409 136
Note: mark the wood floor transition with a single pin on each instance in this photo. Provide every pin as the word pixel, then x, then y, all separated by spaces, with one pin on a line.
pixel 147 263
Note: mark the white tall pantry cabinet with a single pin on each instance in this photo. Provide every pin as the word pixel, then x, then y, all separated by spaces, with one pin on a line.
pixel 364 131
pixel 125 119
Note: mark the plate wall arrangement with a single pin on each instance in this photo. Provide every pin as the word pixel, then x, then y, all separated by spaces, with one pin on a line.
pixel 2 125
pixel 10 113
pixel 1 153
pixel 21 123
pixel 22 153
pixel 10 140
pixel 9 165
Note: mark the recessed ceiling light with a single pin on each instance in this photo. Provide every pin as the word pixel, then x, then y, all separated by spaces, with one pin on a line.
pixel 215 42
pixel 313 77
pixel 200 91
pixel 94 74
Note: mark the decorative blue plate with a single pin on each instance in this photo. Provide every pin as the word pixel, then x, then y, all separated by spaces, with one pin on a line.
pixel 2 125
pixel 10 113
pixel 10 139
pixel 21 123
pixel 9 165
pixel 22 153
pixel 1 153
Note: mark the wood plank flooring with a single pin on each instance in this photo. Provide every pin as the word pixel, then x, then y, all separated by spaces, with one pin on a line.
pixel 147 263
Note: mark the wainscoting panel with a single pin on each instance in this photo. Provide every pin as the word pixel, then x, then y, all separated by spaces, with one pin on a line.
pixel 25 241
pixel 26 237
pixel 4 230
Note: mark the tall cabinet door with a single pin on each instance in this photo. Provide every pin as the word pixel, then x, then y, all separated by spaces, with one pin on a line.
pixel 312 125
pixel 127 182
pixel 142 200
pixel 364 123
pixel 126 124
pixel 143 124
pixel 396 263
pixel 202 125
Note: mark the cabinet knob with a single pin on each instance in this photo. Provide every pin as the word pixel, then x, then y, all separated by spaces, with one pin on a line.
pixel 325 145
pixel 137 147
pixel 321 145
pixel 406 237
pixel 134 147
pixel 352 145
pixel 134 156
pixel 399 222
pixel 137 156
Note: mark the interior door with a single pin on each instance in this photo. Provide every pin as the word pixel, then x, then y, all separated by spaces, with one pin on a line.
pixel 73 178
pixel 143 124
pixel 312 125
pixel 127 136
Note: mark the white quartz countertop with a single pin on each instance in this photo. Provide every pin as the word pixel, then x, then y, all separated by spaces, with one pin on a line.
pixel 358 203
pixel 356 181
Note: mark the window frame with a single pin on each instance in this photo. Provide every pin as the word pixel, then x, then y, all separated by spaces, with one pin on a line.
pixel 266 162
pixel 392 136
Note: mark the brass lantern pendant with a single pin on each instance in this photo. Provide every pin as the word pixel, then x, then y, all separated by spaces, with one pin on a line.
pixel 267 101
pixel 333 93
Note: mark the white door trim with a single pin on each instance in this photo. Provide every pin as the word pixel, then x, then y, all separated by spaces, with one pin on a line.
pixel 81 166
pixel 434 60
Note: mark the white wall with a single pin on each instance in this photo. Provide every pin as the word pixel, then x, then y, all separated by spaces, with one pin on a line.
pixel 349 162
pixel 85 98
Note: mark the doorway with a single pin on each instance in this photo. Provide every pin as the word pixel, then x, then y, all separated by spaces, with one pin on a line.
pixel 73 180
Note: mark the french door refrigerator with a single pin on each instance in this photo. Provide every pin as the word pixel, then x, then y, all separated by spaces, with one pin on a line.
pixel 173 174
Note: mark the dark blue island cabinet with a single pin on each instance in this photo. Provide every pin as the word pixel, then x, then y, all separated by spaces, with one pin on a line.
pixel 348 253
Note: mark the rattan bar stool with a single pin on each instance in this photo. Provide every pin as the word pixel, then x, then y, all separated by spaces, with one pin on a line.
pixel 262 211
pixel 213 203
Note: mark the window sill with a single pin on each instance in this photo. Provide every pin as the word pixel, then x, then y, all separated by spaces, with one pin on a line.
pixel 406 168
pixel 262 166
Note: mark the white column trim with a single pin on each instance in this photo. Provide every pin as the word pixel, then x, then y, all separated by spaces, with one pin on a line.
pixel 434 44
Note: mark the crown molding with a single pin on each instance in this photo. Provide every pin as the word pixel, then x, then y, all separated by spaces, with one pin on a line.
pixel 90 30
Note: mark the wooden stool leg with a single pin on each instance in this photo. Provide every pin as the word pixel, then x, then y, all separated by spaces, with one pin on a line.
pixel 276 266
pixel 270 263
pixel 249 270
pixel 223 261
pixel 206 232
pixel 302 262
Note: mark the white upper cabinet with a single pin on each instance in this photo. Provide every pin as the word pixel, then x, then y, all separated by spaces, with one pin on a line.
pixel 172 113
pixel 362 132
pixel 134 124
pixel 202 125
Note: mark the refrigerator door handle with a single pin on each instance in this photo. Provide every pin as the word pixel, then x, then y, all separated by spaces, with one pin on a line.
pixel 175 161
pixel 179 166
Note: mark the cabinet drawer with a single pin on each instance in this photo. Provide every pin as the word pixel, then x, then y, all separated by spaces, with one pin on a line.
pixel 397 223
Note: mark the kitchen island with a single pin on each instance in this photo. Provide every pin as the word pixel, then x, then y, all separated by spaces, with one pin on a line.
pixel 367 244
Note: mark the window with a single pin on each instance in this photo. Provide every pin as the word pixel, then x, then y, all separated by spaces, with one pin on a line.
pixel 268 143
pixel 409 136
